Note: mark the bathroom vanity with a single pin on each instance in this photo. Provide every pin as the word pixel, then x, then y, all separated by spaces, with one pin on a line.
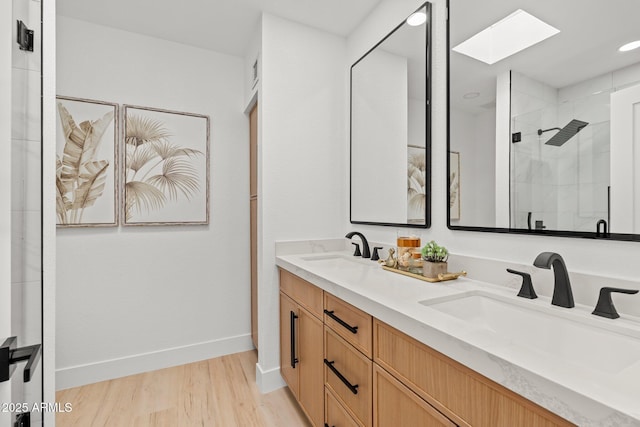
pixel 361 346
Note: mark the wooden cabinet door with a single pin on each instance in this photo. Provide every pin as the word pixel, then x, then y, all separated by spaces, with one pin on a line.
pixel 348 376
pixel 335 414
pixel 310 356
pixel 460 393
pixel 394 405
pixel 288 336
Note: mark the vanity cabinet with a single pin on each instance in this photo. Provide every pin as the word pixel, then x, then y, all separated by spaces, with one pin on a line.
pixel 463 395
pixel 335 415
pixel 394 404
pixel 301 344
pixel 349 369
pixel 347 373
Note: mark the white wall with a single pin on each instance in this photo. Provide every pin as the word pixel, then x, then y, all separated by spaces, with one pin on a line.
pixel 141 298
pixel 476 145
pixel 301 156
pixel 616 259
pixel 380 132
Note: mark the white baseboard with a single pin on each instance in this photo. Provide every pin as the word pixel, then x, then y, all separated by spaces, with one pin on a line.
pixel 268 380
pixel 76 376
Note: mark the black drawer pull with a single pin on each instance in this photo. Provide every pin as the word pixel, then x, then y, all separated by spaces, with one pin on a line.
pixel 352 329
pixel 353 388
pixel 294 359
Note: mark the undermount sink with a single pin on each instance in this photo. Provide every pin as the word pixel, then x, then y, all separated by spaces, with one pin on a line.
pixel 540 329
pixel 337 260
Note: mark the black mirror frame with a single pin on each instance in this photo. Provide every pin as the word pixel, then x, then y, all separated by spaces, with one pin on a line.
pixel 427 223
pixel 628 237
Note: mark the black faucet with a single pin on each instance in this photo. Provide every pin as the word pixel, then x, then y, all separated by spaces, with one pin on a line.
pixel 605 307
pixel 366 252
pixel 562 294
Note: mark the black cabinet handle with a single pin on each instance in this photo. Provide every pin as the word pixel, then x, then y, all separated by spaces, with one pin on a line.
pixel 292 319
pixel 353 388
pixel 352 329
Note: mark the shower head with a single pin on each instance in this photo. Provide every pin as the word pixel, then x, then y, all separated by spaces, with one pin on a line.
pixel 564 134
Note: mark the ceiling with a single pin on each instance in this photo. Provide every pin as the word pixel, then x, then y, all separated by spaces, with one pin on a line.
pixel 224 26
pixel 587 46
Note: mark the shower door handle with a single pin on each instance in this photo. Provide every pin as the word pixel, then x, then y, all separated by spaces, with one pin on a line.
pixel 10 355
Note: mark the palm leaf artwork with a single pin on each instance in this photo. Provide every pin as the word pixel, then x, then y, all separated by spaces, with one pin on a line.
pixel 80 177
pixel 157 171
pixel 416 182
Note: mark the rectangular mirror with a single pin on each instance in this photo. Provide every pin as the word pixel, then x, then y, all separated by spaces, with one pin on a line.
pixel 390 129
pixel 544 117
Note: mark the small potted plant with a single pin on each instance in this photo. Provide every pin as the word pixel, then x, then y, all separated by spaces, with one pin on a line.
pixel 435 260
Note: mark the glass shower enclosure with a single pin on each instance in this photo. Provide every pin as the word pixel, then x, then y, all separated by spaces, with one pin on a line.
pixel 26 212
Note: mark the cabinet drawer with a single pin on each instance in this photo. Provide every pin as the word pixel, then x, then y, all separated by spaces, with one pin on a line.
pixel 395 405
pixel 347 373
pixel 334 414
pixel 350 323
pixel 302 292
pixel 460 393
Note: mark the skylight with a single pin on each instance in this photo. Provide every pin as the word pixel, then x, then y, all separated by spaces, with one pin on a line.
pixel 506 37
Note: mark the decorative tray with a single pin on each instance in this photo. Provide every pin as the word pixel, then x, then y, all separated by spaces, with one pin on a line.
pixel 441 277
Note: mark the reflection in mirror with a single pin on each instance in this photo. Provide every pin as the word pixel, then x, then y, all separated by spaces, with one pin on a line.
pixel 390 170
pixel 546 136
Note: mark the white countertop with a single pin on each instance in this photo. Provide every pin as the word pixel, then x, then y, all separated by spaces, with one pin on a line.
pixel 584 395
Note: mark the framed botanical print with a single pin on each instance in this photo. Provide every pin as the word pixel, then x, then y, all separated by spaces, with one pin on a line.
pixel 166 167
pixel 87 163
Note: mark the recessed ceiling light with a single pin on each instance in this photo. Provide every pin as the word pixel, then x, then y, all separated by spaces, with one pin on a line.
pixel 471 95
pixel 416 19
pixel 629 46
pixel 506 37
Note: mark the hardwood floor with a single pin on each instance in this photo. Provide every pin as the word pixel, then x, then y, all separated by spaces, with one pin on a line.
pixel 216 392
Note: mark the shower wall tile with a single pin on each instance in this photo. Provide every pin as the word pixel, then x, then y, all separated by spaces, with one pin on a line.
pixel 549 118
pixel 568 170
pixel 586 167
pixel 25 105
pixel 548 194
pixel 26 174
pixel 585 88
pixel 25 304
pixel 550 221
pixel 627 76
pixel 523 194
pixel 567 198
pixel 31 309
pixel 25 247
pixel 586 204
pixel 593 109
pixel 602 168
pixel 18 160
pixel 28 12
pixel 565 221
pixel 602 137
pixel 17 304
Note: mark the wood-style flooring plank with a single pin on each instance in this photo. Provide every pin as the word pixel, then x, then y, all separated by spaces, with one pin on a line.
pixel 215 392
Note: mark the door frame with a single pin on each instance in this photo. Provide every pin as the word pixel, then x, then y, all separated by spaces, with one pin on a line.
pixel 48 205
pixel 6 37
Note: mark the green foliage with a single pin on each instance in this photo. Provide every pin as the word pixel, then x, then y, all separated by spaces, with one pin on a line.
pixel 434 253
